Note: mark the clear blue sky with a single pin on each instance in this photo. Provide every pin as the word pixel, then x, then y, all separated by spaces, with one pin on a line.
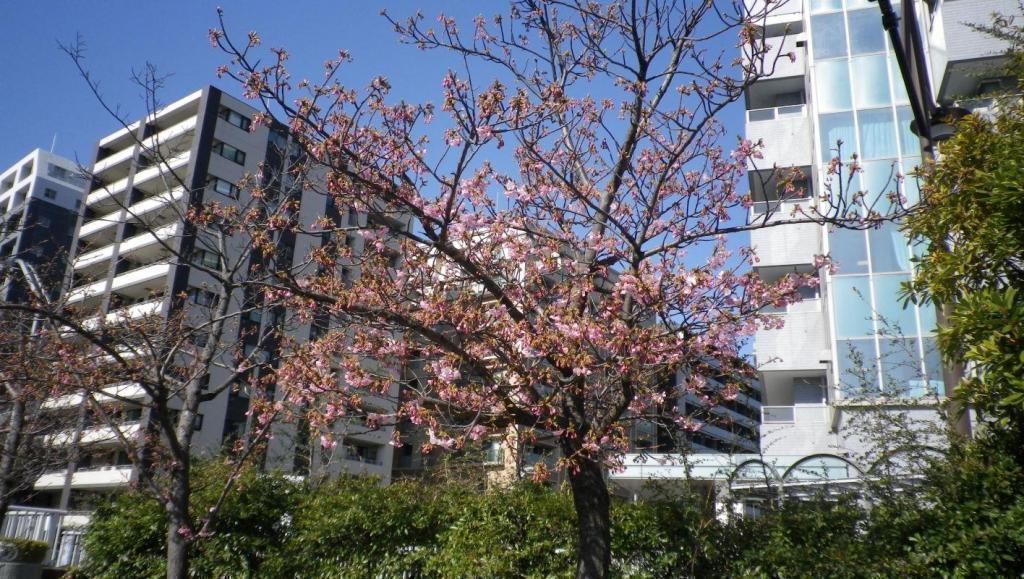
pixel 43 95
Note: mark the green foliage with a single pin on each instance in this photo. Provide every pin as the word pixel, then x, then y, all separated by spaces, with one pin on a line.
pixel 673 535
pixel 354 527
pixel 29 551
pixel 971 218
pixel 965 519
pixel 126 537
pixel 524 531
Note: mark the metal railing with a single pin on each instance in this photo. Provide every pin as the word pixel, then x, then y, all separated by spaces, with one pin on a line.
pixel 786 111
pixel 47 525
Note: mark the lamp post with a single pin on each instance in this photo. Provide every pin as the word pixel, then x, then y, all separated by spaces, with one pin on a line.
pixel 933 123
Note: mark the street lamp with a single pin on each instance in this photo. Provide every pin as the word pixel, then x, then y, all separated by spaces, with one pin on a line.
pixel 932 124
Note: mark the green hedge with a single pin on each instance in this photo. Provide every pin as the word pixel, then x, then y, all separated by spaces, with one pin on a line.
pixel 966 519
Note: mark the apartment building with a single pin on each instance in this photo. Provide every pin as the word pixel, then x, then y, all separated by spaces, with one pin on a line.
pixel 851 341
pixel 135 256
pixel 40 196
pixel 849 348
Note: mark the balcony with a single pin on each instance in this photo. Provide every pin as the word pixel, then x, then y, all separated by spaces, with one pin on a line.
pixel 162 176
pixel 141 281
pixel 972 56
pixel 82 293
pixel 133 312
pixel 802 343
pixel 144 208
pixel 110 197
pixel 174 139
pixel 777 61
pixel 795 243
pixel 96 435
pixel 780 11
pixel 108 477
pixel 123 391
pixel 786 133
pixel 796 430
pixel 104 168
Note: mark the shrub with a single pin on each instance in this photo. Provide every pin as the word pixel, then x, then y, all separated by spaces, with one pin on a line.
pixel 29 551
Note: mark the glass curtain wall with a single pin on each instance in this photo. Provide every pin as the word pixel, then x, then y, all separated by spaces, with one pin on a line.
pixel 881 348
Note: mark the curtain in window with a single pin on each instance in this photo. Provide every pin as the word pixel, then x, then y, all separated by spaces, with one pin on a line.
pixel 877 134
pixel 834 128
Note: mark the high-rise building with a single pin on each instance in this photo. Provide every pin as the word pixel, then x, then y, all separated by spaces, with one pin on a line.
pixel 838 91
pixel 40 196
pixel 136 256
pixel 850 347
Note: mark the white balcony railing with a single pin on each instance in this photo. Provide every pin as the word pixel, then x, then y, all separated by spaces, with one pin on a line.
pixel 801 344
pixel 141 274
pixel 773 113
pixel 107 477
pixel 140 209
pixel 776 414
pixel 786 133
pixel 123 391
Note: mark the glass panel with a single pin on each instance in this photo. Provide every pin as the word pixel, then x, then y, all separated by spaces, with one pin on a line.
pixel 901 367
pixel 933 365
pixel 927 314
pixel 877 133
pixel 834 128
pixel 880 180
pixel 832 83
pixel 909 143
pixel 848 250
pixel 824 5
pixel 893 318
pixel 889 251
pixel 866 32
pixel 899 90
pixel 761 115
pixel 829 35
pixel 911 182
pixel 852 301
pixel 858 369
pixel 872 80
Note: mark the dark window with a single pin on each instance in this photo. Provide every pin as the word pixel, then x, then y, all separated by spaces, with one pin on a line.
pixel 205 258
pixel 226 188
pixel 202 297
pixel 50 193
pixel 235 118
pixel 228 152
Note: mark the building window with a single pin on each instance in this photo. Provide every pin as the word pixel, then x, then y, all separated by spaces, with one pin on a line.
pixel 235 118
pixel 50 193
pixel 224 187
pixel 199 338
pixel 228 152
pixel 202 297
pixel 205 258
pixel 362 453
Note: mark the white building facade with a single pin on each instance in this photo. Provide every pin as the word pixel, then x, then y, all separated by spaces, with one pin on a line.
pixel 854 343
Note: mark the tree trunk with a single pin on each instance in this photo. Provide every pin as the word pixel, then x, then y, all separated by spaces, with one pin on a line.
pixel 590 498
pixel 178 530
pixel 10 453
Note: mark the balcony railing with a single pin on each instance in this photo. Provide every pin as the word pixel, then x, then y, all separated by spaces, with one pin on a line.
pixel 773 113
pixel 776 414
pixel 58 529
